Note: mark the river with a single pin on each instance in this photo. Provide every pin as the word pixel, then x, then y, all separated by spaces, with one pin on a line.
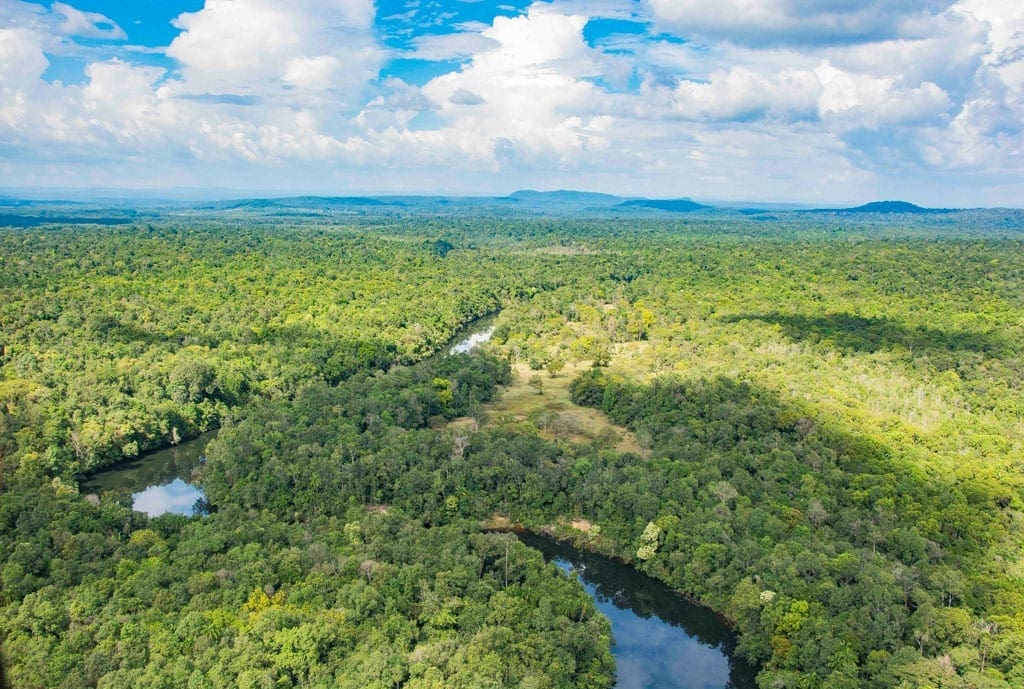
pixel 661 640
pixel 472 335
pixel 161 482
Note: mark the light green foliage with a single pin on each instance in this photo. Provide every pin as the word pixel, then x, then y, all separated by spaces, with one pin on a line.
pixel 444 391
pixel 116 341
pixel 649 541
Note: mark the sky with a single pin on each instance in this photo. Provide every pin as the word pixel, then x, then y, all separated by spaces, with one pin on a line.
pixel 804 101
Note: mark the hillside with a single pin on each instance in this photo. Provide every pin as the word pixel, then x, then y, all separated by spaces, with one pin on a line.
pixel 888 207
pixel 670 205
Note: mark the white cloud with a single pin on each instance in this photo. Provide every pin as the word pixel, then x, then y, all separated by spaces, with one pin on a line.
pixel 282 136
pixel 320 72
pixel 947 50
pixel 865 101
pixel 464 97
pixel 393 109
pixel 532 102
pixel 86 24
pixel 21 64
pixel 1006 19
pixel 936 84
pixel 839 98
pixel 21 57
pixel 450 46
pixel 261 47
pixel 741 94
pixel 129 110
pixel 123 103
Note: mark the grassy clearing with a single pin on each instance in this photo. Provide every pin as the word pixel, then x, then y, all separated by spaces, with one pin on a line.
pixel 550 410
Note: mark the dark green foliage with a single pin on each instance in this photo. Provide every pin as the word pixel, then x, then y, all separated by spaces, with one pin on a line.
pixel 809 538
pixel 891 207
pixel 752 497
pixel 243 599
pixel 365 441
pixel 441 247
pixel 852 333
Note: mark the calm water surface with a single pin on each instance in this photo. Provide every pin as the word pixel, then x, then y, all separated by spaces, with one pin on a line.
pixel 158 482
pixel 661 640
pixel 476 333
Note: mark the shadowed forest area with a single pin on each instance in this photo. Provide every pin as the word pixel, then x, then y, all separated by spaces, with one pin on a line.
pixel 851 333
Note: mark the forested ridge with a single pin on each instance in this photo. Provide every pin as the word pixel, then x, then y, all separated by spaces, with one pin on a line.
pixel 829 428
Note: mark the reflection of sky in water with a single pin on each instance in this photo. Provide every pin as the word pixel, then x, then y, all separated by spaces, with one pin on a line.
pixel 177 497
pixel 472 341
pixel 652 654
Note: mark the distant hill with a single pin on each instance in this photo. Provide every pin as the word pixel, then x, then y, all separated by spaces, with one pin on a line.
pixel 670 205
pixel 563 196
pixel 886 207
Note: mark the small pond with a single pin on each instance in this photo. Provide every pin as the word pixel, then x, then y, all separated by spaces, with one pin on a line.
pixel 661 640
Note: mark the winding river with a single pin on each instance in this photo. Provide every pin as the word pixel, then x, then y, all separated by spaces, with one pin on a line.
pixel 161 482
pixel 661 640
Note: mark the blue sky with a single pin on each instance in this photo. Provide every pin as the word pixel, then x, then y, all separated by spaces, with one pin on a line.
pixel 762 100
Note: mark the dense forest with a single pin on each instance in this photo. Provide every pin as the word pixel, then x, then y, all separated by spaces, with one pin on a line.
pixel 816 429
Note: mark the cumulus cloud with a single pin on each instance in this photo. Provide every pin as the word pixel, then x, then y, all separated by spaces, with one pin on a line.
pixel 22 61
pixel 742 94
pixel 21 64
pixel 1006 21
pixel 464 97
pixel 915 88
pixel 865 101
pixel 394 108
pixel 827 94
pixel 452 46
pixel 286 62
pixel 263 46
pixel 526 99
pixel 947 50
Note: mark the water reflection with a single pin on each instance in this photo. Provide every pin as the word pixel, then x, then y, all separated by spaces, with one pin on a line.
pixel 176 497
pixel 157 483
pixel 662 640
pixel 476 333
